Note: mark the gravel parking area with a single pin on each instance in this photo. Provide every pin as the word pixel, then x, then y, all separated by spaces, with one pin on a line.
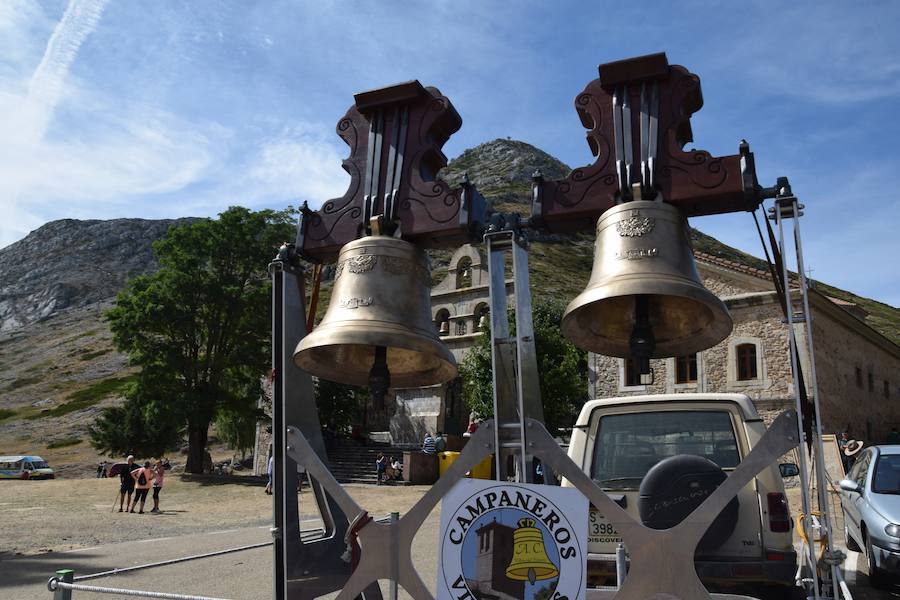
pixel 63 514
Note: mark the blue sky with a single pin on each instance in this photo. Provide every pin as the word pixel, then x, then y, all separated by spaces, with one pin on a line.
pixel 166 109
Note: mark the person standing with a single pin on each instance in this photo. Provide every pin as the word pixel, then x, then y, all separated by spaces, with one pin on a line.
pixel 270 465
pixel 158 477
pixel 143 479
pixel 126 483
pixel 380 467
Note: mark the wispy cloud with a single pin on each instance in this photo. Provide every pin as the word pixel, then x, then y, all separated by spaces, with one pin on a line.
pixel 48 82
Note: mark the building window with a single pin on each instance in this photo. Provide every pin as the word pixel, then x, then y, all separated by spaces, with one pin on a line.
pixel 858 377
pixel 746 362
pixel 887 389
pixel 686 369
pixel 871 382
pixel 461 327
pixel 632 377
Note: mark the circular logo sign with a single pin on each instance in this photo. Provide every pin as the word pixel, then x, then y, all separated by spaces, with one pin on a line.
pixel 512 541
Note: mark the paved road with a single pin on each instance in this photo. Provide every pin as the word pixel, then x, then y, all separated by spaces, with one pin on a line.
pixel 244 575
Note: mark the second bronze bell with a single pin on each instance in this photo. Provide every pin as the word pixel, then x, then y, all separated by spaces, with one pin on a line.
pixel 645 296
pixel 378 323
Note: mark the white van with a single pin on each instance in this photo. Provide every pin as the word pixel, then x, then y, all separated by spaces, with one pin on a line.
pixel 639 449
pixel 25 467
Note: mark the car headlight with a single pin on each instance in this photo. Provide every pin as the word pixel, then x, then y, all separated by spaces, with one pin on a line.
pixel 892 530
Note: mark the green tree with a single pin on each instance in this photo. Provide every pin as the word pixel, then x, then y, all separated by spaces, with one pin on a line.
pixel 340 406
pixel 136 427
pixel 560 368
pixel 199 327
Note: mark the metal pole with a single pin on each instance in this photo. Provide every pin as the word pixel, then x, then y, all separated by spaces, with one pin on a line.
pixel 821 475
pixel 395 516
pixel 66 576
pixel 804 472
pixel 621 567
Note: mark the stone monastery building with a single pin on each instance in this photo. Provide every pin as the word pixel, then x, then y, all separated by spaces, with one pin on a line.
pixel 858 368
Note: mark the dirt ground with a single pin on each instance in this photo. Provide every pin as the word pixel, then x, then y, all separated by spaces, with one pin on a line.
pixel 63 514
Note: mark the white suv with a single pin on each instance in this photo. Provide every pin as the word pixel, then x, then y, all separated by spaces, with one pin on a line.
pixel 642 450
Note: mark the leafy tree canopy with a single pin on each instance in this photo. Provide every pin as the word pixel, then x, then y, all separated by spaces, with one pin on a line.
pixel 560 368
pixel 199 327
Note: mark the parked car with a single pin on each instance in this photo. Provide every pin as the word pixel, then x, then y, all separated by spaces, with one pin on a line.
pixel 870 501
pixel 643 450
pixel 25 467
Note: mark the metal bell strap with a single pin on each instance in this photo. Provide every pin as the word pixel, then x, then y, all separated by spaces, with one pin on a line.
pixel 516 384
pixel 308 566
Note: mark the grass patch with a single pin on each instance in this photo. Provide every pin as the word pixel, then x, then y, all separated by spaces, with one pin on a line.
pixel 22 382
pixel 86 397
pixel 95 354
pixel 69 441
pixel 6 413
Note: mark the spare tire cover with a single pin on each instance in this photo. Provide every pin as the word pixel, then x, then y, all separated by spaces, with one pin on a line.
pixel 675 486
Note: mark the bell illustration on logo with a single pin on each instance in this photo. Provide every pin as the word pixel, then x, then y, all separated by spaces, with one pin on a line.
pixel 530 561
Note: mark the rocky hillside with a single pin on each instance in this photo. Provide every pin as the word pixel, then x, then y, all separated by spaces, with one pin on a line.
pixel 58 367
pixel 72 264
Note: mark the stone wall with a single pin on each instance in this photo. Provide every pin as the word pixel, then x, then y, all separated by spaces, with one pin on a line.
pixel 843 345
pixel 757 319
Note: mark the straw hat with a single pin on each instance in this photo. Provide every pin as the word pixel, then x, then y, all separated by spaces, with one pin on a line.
pixel 853 446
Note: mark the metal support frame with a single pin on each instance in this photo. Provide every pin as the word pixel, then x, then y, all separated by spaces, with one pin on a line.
pixel 787 207
pixel 516 389
pixel 662 561
pixel 303 567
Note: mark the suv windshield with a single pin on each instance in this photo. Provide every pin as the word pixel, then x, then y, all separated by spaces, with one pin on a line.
pixel 628 445
pixel 887 474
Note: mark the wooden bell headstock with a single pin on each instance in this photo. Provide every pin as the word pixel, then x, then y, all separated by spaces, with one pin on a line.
pixel 395 136
pixel 637 114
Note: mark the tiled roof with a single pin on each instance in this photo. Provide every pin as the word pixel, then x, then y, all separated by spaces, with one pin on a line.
pixel 732 264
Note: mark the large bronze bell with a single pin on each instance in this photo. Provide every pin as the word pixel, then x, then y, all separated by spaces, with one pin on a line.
pixel 378 329
pixel 645 298
pixel 530 561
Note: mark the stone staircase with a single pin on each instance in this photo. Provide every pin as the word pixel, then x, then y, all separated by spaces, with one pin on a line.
pixel 355 463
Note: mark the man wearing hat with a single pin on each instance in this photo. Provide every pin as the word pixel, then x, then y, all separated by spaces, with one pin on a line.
pixel 850 451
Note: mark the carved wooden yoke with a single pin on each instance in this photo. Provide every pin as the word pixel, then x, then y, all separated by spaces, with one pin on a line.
pixel 637 114
pixel 395 136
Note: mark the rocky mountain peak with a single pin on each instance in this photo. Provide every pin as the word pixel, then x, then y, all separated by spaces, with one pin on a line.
pixel 71 263
pixel 503 168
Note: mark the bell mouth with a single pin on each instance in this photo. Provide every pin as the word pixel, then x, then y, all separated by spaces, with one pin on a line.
pixel 413 359
pixel 685 318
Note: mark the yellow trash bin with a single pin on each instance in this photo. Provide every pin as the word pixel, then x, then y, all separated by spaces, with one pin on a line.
pixel 483 469
pixel 445 459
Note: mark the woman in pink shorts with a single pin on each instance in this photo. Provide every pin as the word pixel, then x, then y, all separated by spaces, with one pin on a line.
pixel 159 474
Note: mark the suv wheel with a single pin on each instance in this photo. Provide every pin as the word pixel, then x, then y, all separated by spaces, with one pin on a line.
pixel 877 579
pixel 852 546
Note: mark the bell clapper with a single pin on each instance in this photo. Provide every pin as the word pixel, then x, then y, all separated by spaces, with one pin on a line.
pixel 379 377
pixel 642 342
